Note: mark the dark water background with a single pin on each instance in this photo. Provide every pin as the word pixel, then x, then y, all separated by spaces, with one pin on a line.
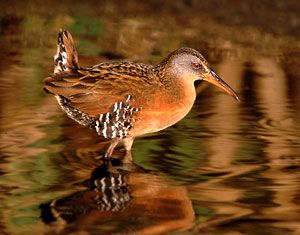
pixel 227 168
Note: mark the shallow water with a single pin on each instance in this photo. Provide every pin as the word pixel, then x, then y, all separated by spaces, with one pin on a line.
pixel 226 168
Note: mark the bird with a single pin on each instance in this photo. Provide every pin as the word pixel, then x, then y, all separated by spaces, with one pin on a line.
pixel 122 100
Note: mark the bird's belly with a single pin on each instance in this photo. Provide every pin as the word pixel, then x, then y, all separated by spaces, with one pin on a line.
pixel 153 120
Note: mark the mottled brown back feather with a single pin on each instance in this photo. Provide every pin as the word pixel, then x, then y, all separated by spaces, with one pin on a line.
pixel 93 90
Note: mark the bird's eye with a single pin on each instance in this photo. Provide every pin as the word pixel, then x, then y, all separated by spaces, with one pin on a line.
pixel 196 65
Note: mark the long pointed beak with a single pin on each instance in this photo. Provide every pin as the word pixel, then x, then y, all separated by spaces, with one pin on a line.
pixel 214 79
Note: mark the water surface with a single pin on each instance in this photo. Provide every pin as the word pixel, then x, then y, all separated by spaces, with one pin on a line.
pixel 226 168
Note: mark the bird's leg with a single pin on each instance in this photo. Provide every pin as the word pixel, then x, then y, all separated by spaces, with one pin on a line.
pixel 128 144
pixel 106 159
pixel 114 142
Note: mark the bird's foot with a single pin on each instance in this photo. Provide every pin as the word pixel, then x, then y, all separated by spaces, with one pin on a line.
pixel 127 158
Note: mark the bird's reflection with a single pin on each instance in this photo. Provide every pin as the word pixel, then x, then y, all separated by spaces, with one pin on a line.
pixel 106 191
pixel 114 196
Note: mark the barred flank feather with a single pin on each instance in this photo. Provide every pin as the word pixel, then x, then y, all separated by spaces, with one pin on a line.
pixel 75 114
pixel 110 125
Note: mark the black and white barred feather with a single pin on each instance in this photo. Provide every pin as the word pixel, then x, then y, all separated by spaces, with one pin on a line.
pixel 114 193
pixel 66 56
pixel 110 125
pixel 109 193
pixel 60 58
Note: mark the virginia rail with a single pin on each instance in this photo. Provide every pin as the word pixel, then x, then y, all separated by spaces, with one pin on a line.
pixel 123 100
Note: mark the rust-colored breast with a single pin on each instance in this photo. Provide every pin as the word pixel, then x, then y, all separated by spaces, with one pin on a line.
pixel 163 109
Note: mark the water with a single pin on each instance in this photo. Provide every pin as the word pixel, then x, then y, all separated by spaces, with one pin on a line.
pixel 227 168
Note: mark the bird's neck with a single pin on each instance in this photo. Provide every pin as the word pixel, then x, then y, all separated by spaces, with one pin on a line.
pixel 177 89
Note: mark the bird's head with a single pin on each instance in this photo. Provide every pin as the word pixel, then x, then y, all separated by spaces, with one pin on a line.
pixel 190 65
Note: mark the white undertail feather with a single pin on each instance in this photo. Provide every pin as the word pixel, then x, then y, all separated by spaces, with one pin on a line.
pixel 66 56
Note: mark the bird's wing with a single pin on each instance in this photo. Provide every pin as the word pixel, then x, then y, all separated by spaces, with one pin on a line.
pixel 95 90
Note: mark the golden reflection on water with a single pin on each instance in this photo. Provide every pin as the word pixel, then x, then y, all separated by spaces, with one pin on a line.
pixel 227 168
pixel 279 150
pixel 145 202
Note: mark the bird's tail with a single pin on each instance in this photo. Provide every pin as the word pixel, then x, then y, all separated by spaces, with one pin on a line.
pixel 66 56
